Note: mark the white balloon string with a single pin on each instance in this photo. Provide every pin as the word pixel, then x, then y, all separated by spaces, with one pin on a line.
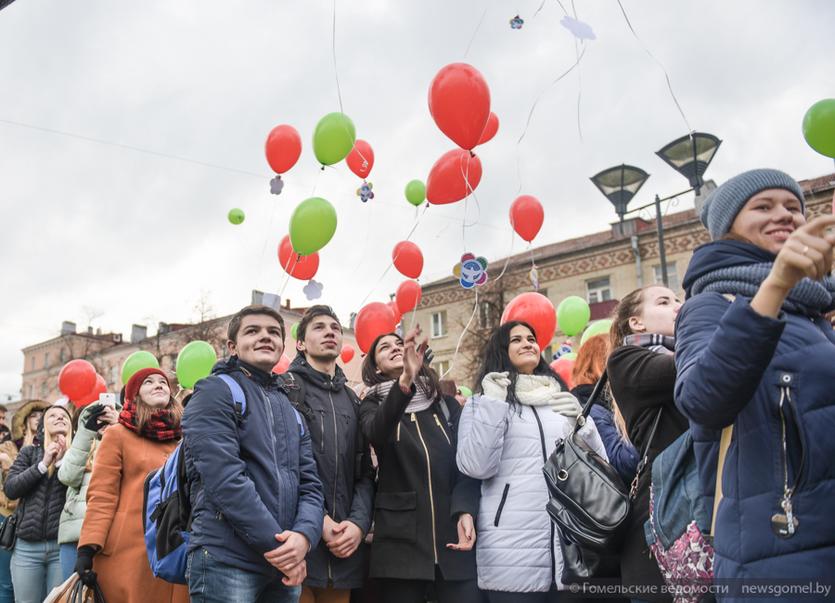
pixel 461 338
pixel 659 63
pixel 333 51
pixel 267 239
pixel 541 6
pixel 475 32
pixel 507 259
pixel 577 44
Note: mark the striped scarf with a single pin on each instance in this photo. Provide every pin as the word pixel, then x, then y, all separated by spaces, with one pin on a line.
pixel 160 427
pixel 662 344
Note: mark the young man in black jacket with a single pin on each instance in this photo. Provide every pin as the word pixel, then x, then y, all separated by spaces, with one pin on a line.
pixel 332 411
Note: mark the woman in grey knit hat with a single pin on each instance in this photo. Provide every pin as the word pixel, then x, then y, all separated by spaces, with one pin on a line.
pixel 755 352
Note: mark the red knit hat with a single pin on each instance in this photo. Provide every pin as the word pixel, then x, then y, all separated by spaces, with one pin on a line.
pixel 135 382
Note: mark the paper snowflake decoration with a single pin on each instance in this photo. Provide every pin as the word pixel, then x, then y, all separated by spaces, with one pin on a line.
pixel 313 290
pixel 364 192
pixel 517 22
pixel 276 185
pixel 581 31
pixel 471 271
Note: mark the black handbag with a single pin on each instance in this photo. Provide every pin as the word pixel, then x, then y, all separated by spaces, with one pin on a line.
pixel 86 594
pixel 588 502
pixel 8 531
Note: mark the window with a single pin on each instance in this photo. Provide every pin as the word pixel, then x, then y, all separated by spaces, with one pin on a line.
pixel 599 290
pixel 672 276
pixel 62 356
pixel 46 359
pixel 441 367
pixel 439 324
pixel 485 315
pixel 31 363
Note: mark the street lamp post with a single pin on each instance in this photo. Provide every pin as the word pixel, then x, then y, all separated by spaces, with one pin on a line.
pixel 689 155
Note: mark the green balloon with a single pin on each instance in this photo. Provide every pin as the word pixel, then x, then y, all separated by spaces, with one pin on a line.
pixel 573 315
pixel 312 225
pixel 465 391
pixel 600 327
pixel 194 362
pixel 136 362
pixel 819 127
pixel 236 216
pixel 294 331
pixel 415 192
pixel 333 138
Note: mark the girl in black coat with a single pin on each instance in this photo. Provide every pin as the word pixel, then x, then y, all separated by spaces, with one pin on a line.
pixel 423 513
pixel 33 478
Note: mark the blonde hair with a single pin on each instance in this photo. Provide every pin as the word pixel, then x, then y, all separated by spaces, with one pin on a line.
pixel 48 439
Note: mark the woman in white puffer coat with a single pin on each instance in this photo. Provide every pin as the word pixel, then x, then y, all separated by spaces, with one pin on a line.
pixel 504 438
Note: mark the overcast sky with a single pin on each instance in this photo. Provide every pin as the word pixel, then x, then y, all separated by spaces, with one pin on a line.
pixel 139 237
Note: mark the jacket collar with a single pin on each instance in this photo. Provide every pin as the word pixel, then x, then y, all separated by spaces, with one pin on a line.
pixel 257 375
pixel 301 367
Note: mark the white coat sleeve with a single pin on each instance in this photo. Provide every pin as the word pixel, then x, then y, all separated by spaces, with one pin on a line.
pixel 481 433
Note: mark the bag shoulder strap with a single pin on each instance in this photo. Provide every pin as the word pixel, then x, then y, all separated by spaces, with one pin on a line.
pixel 295 389
pixel 595 394
pixel 238 397
pixel 724 444
pixel 642 464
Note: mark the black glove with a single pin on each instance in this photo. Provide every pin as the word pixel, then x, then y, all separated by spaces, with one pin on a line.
pixel 92 422
pixel 84 565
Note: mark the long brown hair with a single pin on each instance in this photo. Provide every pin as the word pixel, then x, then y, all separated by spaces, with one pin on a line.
pixel 144 412
pixel 591 360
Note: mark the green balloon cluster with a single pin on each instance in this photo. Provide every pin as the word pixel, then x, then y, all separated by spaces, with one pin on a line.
pixel 312 225
pixel 294 331
pixel 415 192
pixel 333 138
pixel 136 362
pixel 601 327
pixel 194 362
pixel 573 315
pixel 819 127
pixel 236 216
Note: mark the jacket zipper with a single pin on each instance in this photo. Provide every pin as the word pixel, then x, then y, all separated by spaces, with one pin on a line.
pixel 431 498
pixel 266 400
pixel 786 502
pixel 441 427
pixel 545 460
pixel 336 468
pixel 398 431
pixel 501 505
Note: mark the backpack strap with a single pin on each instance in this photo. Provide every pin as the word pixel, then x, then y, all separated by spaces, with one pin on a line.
pixel 238 397
pixel 295 391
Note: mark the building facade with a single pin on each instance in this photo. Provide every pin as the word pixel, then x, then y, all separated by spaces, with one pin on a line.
pixel 601 267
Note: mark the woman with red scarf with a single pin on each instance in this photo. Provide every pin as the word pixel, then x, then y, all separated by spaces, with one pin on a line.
pixel 112 543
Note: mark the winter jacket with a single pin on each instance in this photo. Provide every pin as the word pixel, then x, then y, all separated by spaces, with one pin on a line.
pixel 251 478
pixel 113 519
pixel 42 496
pixel 735 366
pixel 622 454
pixel 420 492
pixel 7 506
pixel 506 447
pixel 343 463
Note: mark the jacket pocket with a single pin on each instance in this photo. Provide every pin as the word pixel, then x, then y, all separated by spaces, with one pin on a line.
pixel 501 505
pixel 395 516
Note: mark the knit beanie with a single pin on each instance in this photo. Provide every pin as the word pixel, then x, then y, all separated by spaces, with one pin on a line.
pixel 135 382
pixel 723 205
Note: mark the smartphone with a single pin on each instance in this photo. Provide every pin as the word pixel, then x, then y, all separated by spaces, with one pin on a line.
pixel 107 399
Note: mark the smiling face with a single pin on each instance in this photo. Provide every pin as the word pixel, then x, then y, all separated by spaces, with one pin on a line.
pixel 388 356
pixel 659 309
pixel 523 350
pixel 322 339
pixel 56 422
pixel 155 391
pixel 258 342
pixel 768 218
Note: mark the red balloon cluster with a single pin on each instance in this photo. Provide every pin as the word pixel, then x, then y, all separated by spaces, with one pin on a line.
pixel 373 320
pixel 526 216
pixel 301 267
pixel 283 148
pixel 407 296
pixel 536 310
pixel 361 159
pixel 459 101
pixel 79 382
pixel 347 353
pixel 408 259
pixel 563 367
pixel 395 311
pixel 454 176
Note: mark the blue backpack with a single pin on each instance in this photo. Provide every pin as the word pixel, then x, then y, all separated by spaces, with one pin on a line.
pixel 166 509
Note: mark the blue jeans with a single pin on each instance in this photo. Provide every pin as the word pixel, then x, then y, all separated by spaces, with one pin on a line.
pixel 6 590
pixel 210 581
pixel 68 554
pixel 36 570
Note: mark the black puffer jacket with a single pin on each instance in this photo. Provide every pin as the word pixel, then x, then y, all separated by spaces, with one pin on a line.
pixel 42 496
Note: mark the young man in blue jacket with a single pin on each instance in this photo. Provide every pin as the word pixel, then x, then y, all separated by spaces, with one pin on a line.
pixel 257 502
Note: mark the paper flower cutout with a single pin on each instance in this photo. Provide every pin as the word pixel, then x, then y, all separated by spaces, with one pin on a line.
pixel 564 349
pixel 276 185
pixel 364 192
pixel 471 271
pixel 517 22
pixel 581 31
pixel 313 290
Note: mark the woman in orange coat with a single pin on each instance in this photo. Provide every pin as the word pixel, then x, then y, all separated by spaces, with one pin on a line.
pixel 112 539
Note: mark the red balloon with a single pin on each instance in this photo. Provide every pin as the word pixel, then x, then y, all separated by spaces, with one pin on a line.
pixel 347 353
pixel 490 129
pixel 361 159
pixel 454 176
pixel 407 296
pixel 282 365
pixel 284 145
pixel 563 367
pixel 373 320
pixel 536 310
pixel 77 379
pixel 395 311
pixel 99 388
pixel 526 216
pixel 301 267
pixel 459 101
pixel 408 259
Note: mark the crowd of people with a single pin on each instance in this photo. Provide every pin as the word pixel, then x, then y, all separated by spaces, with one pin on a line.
pixel 400 491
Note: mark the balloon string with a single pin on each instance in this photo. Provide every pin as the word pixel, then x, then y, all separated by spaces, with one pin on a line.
pixel 577 44
pixel 475 32
pixel 507 259
pixel 461 338
pixel 267 239
pixel 541 6
pixel 659 63
pixel 333 51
